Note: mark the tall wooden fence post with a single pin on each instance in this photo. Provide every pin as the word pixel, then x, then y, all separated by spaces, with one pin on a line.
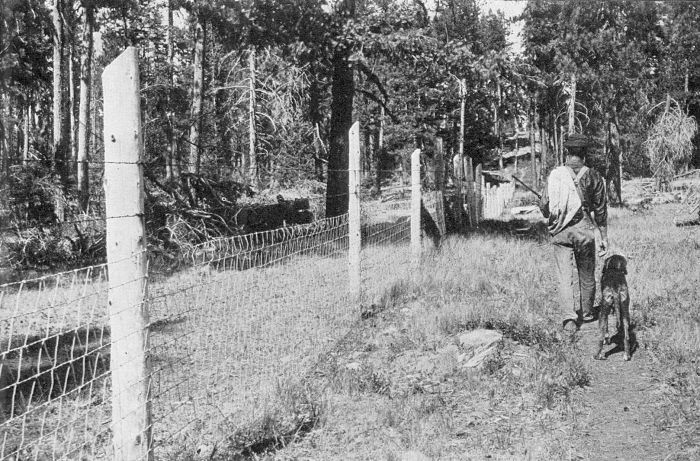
pixel 126 259
pixel 439 164
pixel 415 208
pixel 355 244
pixel 479 188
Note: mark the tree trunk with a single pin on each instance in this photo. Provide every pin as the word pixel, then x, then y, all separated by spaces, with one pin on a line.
pixel 379 153
pixel 460 152
pixel 561 143
pixel 84 112
pixel 342 92
pixel 61 125
pixel 369 154
pixel 315 118
pixel 685 86
pixel 4 151
pixel 4 155
pixel 171 148
pixel 197 95
pixel 533 150
pixel 73 105
pixel 497 124
pixel 555 139
pixel 572 105
pixel 250 165
pixel 3 92
pixel 615 143
pixel 25 133
pixel 544 143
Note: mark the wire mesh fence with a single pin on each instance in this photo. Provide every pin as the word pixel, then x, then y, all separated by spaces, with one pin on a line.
pixel 116 361
pixel 250 317
pixel 245 318
pixel 54 366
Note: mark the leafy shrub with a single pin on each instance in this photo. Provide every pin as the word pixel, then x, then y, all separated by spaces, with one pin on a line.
pixel 44 228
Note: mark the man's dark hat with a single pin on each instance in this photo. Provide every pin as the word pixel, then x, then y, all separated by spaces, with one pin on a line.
pixel 579 141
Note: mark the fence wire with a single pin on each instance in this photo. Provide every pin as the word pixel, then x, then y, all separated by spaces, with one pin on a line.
pixel 386 235
pixel 54 366
pixel 246 322
pixel 242 323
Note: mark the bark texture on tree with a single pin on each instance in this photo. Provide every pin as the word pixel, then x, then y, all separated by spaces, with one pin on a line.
pixel 533 145
pixel 197 95
pixel 250 164
pixel 84 112
pixel 572 105
pixel 171 167
pixel 25 133
pixel 61 121
pixel 342 92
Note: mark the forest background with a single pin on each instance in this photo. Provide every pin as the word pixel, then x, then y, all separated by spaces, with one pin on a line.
pixel 243 99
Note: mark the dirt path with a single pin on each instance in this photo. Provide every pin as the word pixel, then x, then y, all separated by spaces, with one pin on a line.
pixel 618 416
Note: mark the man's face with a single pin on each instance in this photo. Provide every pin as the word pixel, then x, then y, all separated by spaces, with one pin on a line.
pixel 578 151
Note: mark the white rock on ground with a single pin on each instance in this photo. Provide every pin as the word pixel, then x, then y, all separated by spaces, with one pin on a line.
pixel 482 343
pixel 479 338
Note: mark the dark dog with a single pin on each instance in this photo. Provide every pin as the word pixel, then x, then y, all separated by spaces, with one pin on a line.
pixel 615 295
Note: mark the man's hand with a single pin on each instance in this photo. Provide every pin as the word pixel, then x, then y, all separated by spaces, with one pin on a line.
pixel 603 244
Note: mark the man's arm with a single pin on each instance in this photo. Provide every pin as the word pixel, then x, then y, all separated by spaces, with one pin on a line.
pixel 599 207
pixel 544 201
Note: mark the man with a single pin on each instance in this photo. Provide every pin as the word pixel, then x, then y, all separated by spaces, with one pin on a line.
pixel 575 202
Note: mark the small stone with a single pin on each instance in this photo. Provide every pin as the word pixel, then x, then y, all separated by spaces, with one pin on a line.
pixel 205 452
pixel 479 338
pixel 354 366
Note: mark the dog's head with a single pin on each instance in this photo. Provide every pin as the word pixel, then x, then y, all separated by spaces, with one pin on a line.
pixel 616 263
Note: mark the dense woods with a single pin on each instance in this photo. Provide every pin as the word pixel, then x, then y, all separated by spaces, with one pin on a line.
pixel 251 97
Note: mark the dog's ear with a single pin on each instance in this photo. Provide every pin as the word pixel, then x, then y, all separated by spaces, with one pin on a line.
pixel 623 265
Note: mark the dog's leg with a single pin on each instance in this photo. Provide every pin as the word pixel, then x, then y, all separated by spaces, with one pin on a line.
pixel 603 330
pixel 625 314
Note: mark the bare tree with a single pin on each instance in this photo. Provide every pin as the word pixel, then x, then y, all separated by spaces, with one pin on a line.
pixel 171 148
pixel 197 93
pixel 83 156
pixel 61 123
pixel 250 167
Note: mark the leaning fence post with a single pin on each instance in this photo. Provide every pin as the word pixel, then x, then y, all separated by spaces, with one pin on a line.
pixel 126 259
pixel 415 208
pixel 355 243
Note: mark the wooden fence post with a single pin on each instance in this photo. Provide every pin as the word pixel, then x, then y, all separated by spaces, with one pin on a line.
pixel 439 165
pixel 415 208
pixel 355 243
pixel 126 259
pixel 479 189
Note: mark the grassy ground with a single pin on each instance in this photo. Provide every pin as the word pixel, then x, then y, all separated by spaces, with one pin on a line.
pixel 228 348
pixel 289 378
pixel 396 389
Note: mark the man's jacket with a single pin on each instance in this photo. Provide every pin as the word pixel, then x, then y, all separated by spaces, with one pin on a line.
pixel 567 209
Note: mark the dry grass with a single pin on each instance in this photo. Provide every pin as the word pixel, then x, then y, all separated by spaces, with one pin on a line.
pixel 296 375
pixel 525 404
pixel 229 351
